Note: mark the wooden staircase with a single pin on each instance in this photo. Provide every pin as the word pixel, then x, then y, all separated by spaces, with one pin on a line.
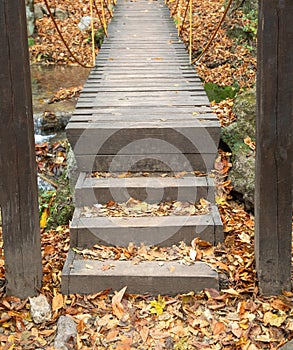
pixel 142 110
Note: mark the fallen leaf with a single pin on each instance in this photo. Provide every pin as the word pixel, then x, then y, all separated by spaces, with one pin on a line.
pixel 144 333
pixel 273 319
pixel 231 291
pixel 158 306
pixel 218 327
pixel 117 307
pixel 57 302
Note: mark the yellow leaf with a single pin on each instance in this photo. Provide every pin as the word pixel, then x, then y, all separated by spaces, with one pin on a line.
pixel 158 306
pixel 274 319
pixel 57 302
pixel 44 218
pixel 220 200
pixel 172 269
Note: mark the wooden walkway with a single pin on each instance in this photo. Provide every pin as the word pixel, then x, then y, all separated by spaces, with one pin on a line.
pixel 142 109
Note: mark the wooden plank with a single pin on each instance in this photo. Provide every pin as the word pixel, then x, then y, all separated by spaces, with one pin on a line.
pixel 110 138
pixel 203 162
pixel 273 203
pixel 164 278
pixel 206 120
pixel 90 191
pixel 150 230
pixel 18 186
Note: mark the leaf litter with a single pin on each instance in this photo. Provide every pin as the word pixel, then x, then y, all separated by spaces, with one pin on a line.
pixel 136 208
pixel 235 317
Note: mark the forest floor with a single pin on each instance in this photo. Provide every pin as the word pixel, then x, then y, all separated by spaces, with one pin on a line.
pixel 237 317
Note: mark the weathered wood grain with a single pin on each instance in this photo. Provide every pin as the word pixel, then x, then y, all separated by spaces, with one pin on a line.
pixel 18 182
pixel 151 230
pixel 273 203
pixel 89 191
pixel 169 278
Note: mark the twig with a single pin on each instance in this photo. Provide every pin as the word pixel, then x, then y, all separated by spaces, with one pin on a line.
pixel 51 182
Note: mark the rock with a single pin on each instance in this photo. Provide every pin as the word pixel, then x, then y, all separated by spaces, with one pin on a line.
pixel 246 6
pixel 242 176
pixel 39 10
pixel 85 23
pixel 61 14
pixel 71 169
pixel 66 331
pixel 40 309
pixel 30 17
pixel 287 346
pixel 243 158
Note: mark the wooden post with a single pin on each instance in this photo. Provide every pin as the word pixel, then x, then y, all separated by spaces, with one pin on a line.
pixel 18 183
pixel 273 197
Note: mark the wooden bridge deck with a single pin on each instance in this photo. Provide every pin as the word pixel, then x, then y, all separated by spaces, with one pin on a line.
pixel 143 108
pixel 143 81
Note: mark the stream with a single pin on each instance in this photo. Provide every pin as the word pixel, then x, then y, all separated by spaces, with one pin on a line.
pixel 46 81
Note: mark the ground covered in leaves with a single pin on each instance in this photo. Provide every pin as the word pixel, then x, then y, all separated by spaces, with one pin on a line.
pixel 235 317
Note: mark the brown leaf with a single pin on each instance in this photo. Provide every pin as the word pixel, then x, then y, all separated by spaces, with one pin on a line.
pixel 117 307
pixel 279 305
pixel 144 333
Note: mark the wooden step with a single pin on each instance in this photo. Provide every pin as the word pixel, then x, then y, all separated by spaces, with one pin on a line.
pixel 150 162
pixel 153 277
pixel 152 189
pixel 141 145
pixel 143 137
pixel 150 230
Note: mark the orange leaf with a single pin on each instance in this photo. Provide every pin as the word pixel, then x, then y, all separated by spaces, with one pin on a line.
pixel 112 334
pixel 57 302
pixel 124 344
pixel 218 327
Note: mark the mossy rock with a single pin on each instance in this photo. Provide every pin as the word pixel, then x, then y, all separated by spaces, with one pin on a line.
pixel 243 158
pixel 245 110
pixel 246 5
pixel 219 93
pixel 62 208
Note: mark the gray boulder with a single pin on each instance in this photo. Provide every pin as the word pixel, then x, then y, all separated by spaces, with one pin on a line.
pixel 30 17
pixel 66 332
pixel 84 24
pixel 61 14
pixel 243 157
pixel 40 309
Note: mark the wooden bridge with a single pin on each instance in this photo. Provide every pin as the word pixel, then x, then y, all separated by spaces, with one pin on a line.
pixel 142 109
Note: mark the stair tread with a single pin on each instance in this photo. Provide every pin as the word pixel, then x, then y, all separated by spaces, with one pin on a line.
pixel 164 230
pixel 86 181
pixel 151 189
pixel 166 277
pixel 140 221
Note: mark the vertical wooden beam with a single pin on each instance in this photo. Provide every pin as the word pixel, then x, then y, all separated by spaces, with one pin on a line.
pixel 18 182
pixel 273 197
